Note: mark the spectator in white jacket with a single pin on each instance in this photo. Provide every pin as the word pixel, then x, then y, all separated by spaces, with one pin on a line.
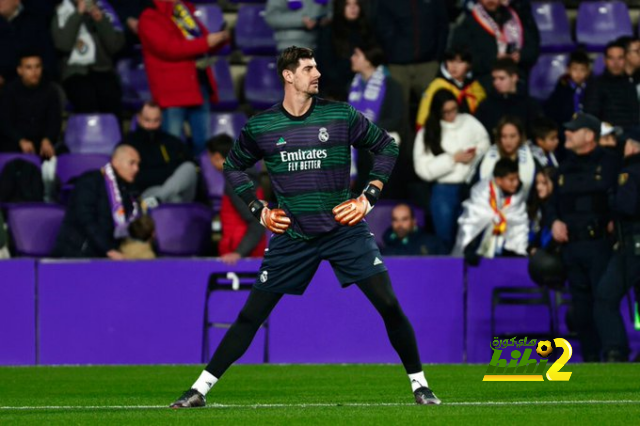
pixel 510 143
pixel 443 152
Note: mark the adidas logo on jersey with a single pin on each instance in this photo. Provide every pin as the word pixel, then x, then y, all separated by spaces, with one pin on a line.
pixel 377 262
pixel 281 141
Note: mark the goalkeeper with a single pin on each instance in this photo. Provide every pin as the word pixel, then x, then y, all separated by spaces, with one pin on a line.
pixel 305 143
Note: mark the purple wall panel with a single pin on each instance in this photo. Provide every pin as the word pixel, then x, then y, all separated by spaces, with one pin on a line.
pixel 151 312
pixel 519 320
pixel 17 312
pixel 330 324
pixel 103 312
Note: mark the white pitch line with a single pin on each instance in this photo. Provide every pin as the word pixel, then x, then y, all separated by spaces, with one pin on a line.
pixel 311 405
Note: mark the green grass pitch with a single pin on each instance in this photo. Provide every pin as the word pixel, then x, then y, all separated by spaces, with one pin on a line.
pixel 315 395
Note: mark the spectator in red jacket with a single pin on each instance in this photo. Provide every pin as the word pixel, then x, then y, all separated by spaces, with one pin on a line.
pixel 176 46
pixel 242 234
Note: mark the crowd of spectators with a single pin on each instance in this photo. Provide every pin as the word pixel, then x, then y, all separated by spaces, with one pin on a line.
pixel 452 90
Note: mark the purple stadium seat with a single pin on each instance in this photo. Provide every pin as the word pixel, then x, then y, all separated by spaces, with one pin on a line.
pixel 34 227
pixel 92 133
pixel 599 22
pixel 135 86
pixel 253 35
pixel 227 100
pixel 380 218
pixel 10 156
pixel 262 86
pixel 71 166
pixel 182 229
pixel 598 64
pixel 227 122
pixel 545 74
pixel 211 17
pixel 553 25
pixel 214 181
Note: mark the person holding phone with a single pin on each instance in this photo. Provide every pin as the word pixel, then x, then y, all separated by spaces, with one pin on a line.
pixel 443 152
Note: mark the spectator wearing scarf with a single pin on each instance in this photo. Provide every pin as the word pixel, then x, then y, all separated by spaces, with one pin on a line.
pixel 567 98
pixel 378 97
pixel 510 143
pixel 296 22
pixel 495 30
pixel 455 76
pixel 176 48
pixel 100 209
pixel 89 39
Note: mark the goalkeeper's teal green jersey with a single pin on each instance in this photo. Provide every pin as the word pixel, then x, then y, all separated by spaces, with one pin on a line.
pixel 308 159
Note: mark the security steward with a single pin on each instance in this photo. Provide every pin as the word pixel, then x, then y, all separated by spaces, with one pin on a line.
pixel 580 217
pixel 623 271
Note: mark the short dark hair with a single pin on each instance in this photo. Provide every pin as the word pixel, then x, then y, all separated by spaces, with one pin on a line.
pixel 458 52
pixel 504 167
pixel 221 144
pixel 543 126
pixel 614 44
pixel 373 52
pixel 142 228
pixel 290 57
pixel 627 41
pixel 412 213
pixel 580 57
pixel 507 65
pixel 150 104
pixel 29 53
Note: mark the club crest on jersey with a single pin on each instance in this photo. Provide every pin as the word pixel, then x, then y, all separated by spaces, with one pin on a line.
pixel 323 135
pixel 264 276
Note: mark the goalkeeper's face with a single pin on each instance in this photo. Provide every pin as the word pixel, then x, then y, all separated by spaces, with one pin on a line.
pixel 306 79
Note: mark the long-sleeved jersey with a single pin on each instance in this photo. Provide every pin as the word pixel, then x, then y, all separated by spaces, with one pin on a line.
pixel 308 159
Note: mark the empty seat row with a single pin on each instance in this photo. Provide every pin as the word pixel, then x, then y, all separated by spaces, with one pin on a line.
pixel 252 34
pixel 597 23
pixel 100 133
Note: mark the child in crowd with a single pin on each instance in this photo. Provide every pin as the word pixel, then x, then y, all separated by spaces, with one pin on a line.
pixel 568 95
pixel 539 235
pixel 455 75
pixel 545 141
pixel 138 244
pixel 494 219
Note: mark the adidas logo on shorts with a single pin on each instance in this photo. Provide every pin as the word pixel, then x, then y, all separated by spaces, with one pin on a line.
pixel 377 261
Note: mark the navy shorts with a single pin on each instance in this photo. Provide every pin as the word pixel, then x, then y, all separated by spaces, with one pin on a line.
pixel 289 264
